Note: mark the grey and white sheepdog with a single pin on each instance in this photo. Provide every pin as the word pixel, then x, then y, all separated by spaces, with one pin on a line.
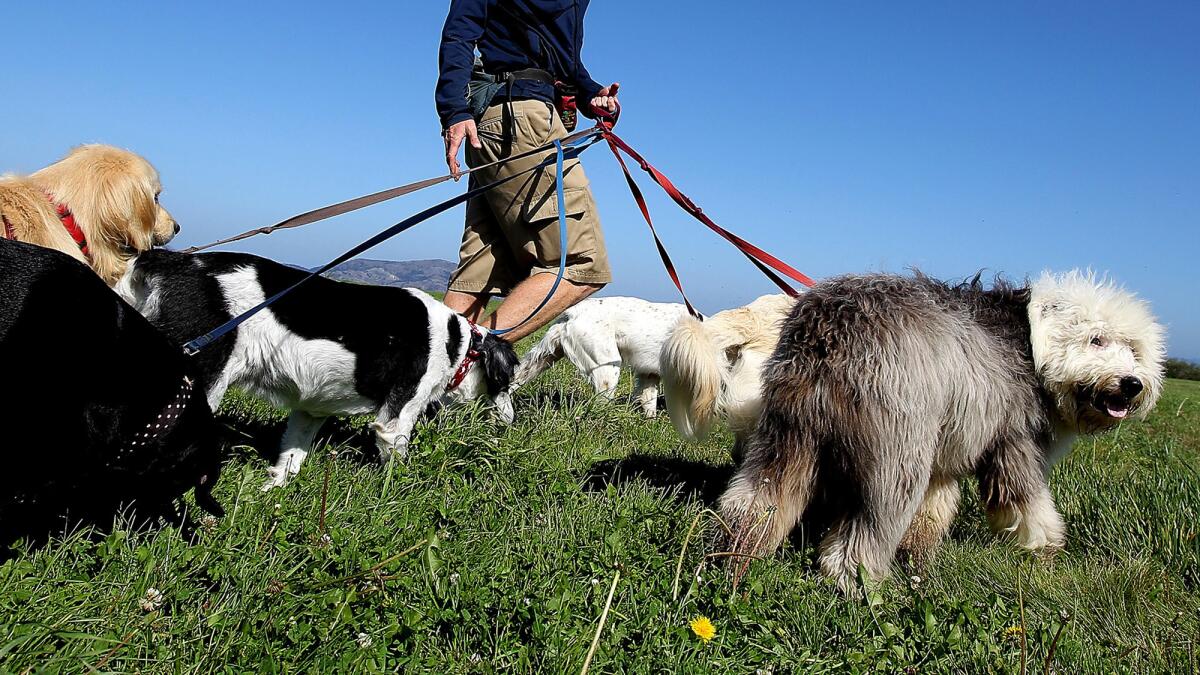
pixel 885 390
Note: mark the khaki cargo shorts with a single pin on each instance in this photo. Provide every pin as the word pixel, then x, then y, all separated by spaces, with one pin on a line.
pixel 512 231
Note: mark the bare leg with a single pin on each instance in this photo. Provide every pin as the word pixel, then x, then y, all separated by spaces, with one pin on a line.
pixel 525 297
pixel 470 305
pixel 297 441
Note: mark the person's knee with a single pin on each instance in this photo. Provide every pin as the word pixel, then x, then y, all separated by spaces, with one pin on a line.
pixel 585 290
pixel 469 305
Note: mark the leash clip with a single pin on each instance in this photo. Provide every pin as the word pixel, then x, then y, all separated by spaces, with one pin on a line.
pixel 193 348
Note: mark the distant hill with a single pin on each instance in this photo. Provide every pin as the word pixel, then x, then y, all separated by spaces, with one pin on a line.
pixel 427 275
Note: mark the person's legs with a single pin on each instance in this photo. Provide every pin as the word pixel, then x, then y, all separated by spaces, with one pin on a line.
pixel 512 239
pixel 526 296
pixel 485 265
pixel 470 305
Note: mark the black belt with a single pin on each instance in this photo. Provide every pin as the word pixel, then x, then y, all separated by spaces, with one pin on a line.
pixel 535 74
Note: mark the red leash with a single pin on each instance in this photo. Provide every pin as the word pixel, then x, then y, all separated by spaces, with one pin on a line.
pixel 763 260
pixel 662 250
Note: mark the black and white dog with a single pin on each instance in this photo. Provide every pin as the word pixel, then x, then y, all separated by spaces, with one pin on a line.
pixel 98 409
pixel 328 348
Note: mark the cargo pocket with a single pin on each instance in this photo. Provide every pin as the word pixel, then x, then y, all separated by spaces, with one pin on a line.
pixel 543 224
pixel 539 196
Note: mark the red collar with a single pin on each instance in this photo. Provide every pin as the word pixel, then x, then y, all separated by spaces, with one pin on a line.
pixel 464 367
pixel 68 221
pixel 469 359
pixel 9 233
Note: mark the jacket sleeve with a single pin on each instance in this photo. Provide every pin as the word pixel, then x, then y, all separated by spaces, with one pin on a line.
pixel 585 87
pixel 463 29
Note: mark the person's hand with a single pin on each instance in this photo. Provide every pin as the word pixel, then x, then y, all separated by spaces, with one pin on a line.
pixel 454 136
pixel 606 98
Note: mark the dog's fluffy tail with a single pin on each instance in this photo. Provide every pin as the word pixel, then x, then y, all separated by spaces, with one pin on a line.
pixel 543 355
pixel 691 373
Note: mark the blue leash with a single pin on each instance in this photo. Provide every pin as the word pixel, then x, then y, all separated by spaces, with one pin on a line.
pixel 572 151
pixel 562 242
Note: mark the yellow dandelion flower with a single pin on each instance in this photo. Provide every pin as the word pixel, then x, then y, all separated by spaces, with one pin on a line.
pixel 703 628
pixel 1013 631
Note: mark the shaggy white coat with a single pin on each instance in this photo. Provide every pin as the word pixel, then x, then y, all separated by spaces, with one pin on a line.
pixel 885 391
pixel 713 368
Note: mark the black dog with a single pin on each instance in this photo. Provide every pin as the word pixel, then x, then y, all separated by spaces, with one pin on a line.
pixel 98 409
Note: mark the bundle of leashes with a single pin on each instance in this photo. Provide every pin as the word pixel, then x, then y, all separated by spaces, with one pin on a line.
pixel 561 154
pixel 568 148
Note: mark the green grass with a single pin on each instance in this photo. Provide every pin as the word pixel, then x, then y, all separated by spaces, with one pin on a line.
pixel 486 552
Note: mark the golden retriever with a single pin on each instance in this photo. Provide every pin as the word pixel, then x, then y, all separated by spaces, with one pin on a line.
pixel 112 195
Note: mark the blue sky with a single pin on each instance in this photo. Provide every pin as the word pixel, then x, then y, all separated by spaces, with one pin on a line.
pixel 843 137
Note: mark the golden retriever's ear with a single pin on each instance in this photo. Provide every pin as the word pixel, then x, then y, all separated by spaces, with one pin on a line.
pixel 145 213
pixel 115 199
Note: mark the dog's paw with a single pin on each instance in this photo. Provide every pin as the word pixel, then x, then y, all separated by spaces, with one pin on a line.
pixel 1036 526
pixel 276 480
pixel 389 444
pixel 387 454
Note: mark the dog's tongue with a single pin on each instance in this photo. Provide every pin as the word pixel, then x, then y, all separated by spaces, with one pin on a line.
pixel 1117 412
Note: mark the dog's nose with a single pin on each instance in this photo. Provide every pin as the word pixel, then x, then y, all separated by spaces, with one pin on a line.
pixel 176 228
pixel 1131 386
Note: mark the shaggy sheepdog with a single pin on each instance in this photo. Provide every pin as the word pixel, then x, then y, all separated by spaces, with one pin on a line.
pixel 99 205
pixel 712 368
pixel 327 348
pixel 599 336
pixel 99 409
pixel 885 390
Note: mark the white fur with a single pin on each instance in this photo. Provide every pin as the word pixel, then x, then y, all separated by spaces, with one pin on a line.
pixel 1034 525
pixel 1066 312
pixel 393 434
pixel 599 336
pixel 268 360
pixel 714 367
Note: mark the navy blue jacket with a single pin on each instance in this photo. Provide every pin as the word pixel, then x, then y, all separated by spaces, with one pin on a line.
pixel 511 35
